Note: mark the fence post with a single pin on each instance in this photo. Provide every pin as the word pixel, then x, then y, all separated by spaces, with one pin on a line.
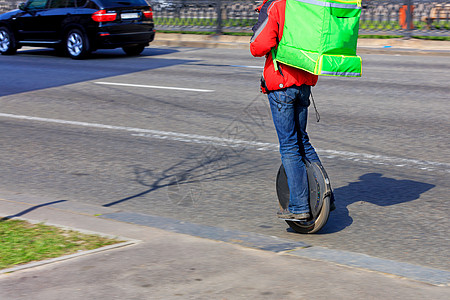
pixel 219 17
pixel 409 18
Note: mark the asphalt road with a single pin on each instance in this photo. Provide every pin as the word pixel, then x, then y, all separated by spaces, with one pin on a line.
pixel 184 133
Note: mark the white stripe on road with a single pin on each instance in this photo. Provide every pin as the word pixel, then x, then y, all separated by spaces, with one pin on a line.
pixel 185 137
pixel 237 143
pixel 249 67
pixel 155 87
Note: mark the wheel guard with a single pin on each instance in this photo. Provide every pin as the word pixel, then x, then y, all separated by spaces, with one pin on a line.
pixel 318 183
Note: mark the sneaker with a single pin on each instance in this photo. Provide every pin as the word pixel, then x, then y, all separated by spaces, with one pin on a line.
pixel 287 215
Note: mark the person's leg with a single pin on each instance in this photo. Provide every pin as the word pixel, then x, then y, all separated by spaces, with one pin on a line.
pixel 301 115
pixel 283 107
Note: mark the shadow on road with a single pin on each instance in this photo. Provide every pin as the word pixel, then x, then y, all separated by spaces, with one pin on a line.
pixel 375 189
pixel 221 159
pixel 19 214
pixel 184 179
pixel 32 70
pixel 99 54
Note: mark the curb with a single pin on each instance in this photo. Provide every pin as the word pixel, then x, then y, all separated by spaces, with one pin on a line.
pixel 68 256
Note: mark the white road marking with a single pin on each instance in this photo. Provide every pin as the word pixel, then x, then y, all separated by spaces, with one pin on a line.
pixel 249 67
pixel 237 143
pixel 155 87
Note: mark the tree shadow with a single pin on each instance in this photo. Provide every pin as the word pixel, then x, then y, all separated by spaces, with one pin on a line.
pixel 213 163
pixel 19 214
pixel 375 189
pixel 221 159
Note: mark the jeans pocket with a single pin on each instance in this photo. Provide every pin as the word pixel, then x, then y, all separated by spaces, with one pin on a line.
pixel 281 97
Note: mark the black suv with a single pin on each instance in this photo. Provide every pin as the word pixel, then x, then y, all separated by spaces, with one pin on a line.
pixel 78 27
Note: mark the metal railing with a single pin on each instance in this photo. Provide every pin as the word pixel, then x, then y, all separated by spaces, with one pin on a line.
pixel 6 5
pixel 383 17
pixel 406 17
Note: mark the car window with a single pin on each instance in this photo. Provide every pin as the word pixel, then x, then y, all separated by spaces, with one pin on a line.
pixel 36 4
pixel 57 3
pixel 115 3
pixel 89 4
pixel 80 3
pixel 71 3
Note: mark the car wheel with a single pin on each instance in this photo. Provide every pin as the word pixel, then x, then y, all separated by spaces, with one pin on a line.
pixel 133 50
pixel 77 44
pixel 7 43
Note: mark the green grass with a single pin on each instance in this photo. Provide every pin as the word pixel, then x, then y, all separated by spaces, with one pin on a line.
pixel 436 38
pixel 422 37
pixel 206 32
pixel 22 242
pixel 379 36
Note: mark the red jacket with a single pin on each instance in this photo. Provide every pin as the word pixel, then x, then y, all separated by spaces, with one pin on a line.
pixel 268 31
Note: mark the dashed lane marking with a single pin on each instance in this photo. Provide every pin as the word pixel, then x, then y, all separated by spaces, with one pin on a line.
pixel 155 87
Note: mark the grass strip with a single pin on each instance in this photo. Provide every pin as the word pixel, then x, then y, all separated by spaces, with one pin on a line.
pixel 22 242
pixel 436 38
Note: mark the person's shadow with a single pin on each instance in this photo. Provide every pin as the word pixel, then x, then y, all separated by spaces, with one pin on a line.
pixel 375 189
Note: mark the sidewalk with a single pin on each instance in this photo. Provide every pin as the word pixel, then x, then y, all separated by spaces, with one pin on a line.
pixel 365 46
pixel 162 264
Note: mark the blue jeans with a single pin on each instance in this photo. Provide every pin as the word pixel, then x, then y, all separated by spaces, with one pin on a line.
pixel 289 108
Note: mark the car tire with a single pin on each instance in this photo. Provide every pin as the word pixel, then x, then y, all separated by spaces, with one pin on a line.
pixel 7 42
pixel 77 44
pixel 133 50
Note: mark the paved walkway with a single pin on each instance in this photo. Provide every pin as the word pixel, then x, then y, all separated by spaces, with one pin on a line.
pixel 161 264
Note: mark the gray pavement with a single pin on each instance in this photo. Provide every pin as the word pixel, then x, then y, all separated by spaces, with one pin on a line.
pixel 164 258
pixel 162 264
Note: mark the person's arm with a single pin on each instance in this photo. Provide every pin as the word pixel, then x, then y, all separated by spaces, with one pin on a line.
pixel 265 31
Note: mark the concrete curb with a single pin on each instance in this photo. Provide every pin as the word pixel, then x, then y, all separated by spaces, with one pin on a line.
pixel 66 257
pixel 385 266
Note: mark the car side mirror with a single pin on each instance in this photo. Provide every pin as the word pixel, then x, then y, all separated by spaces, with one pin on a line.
pixel 22 6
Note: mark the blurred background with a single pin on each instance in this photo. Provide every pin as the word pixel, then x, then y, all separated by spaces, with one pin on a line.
pixel 378 17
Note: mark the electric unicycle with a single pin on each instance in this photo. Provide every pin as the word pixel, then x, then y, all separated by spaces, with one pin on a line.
pixel 319 197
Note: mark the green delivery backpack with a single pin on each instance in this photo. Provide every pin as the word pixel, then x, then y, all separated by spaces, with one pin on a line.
pixel 319 36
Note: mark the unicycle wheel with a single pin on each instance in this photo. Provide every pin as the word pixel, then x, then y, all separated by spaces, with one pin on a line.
pixel 319 200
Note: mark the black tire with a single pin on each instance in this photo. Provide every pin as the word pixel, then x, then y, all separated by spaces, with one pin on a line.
pixel 77 44
pixel 312 226
pixel 133 50
pixel 319 218
pixel 7 42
